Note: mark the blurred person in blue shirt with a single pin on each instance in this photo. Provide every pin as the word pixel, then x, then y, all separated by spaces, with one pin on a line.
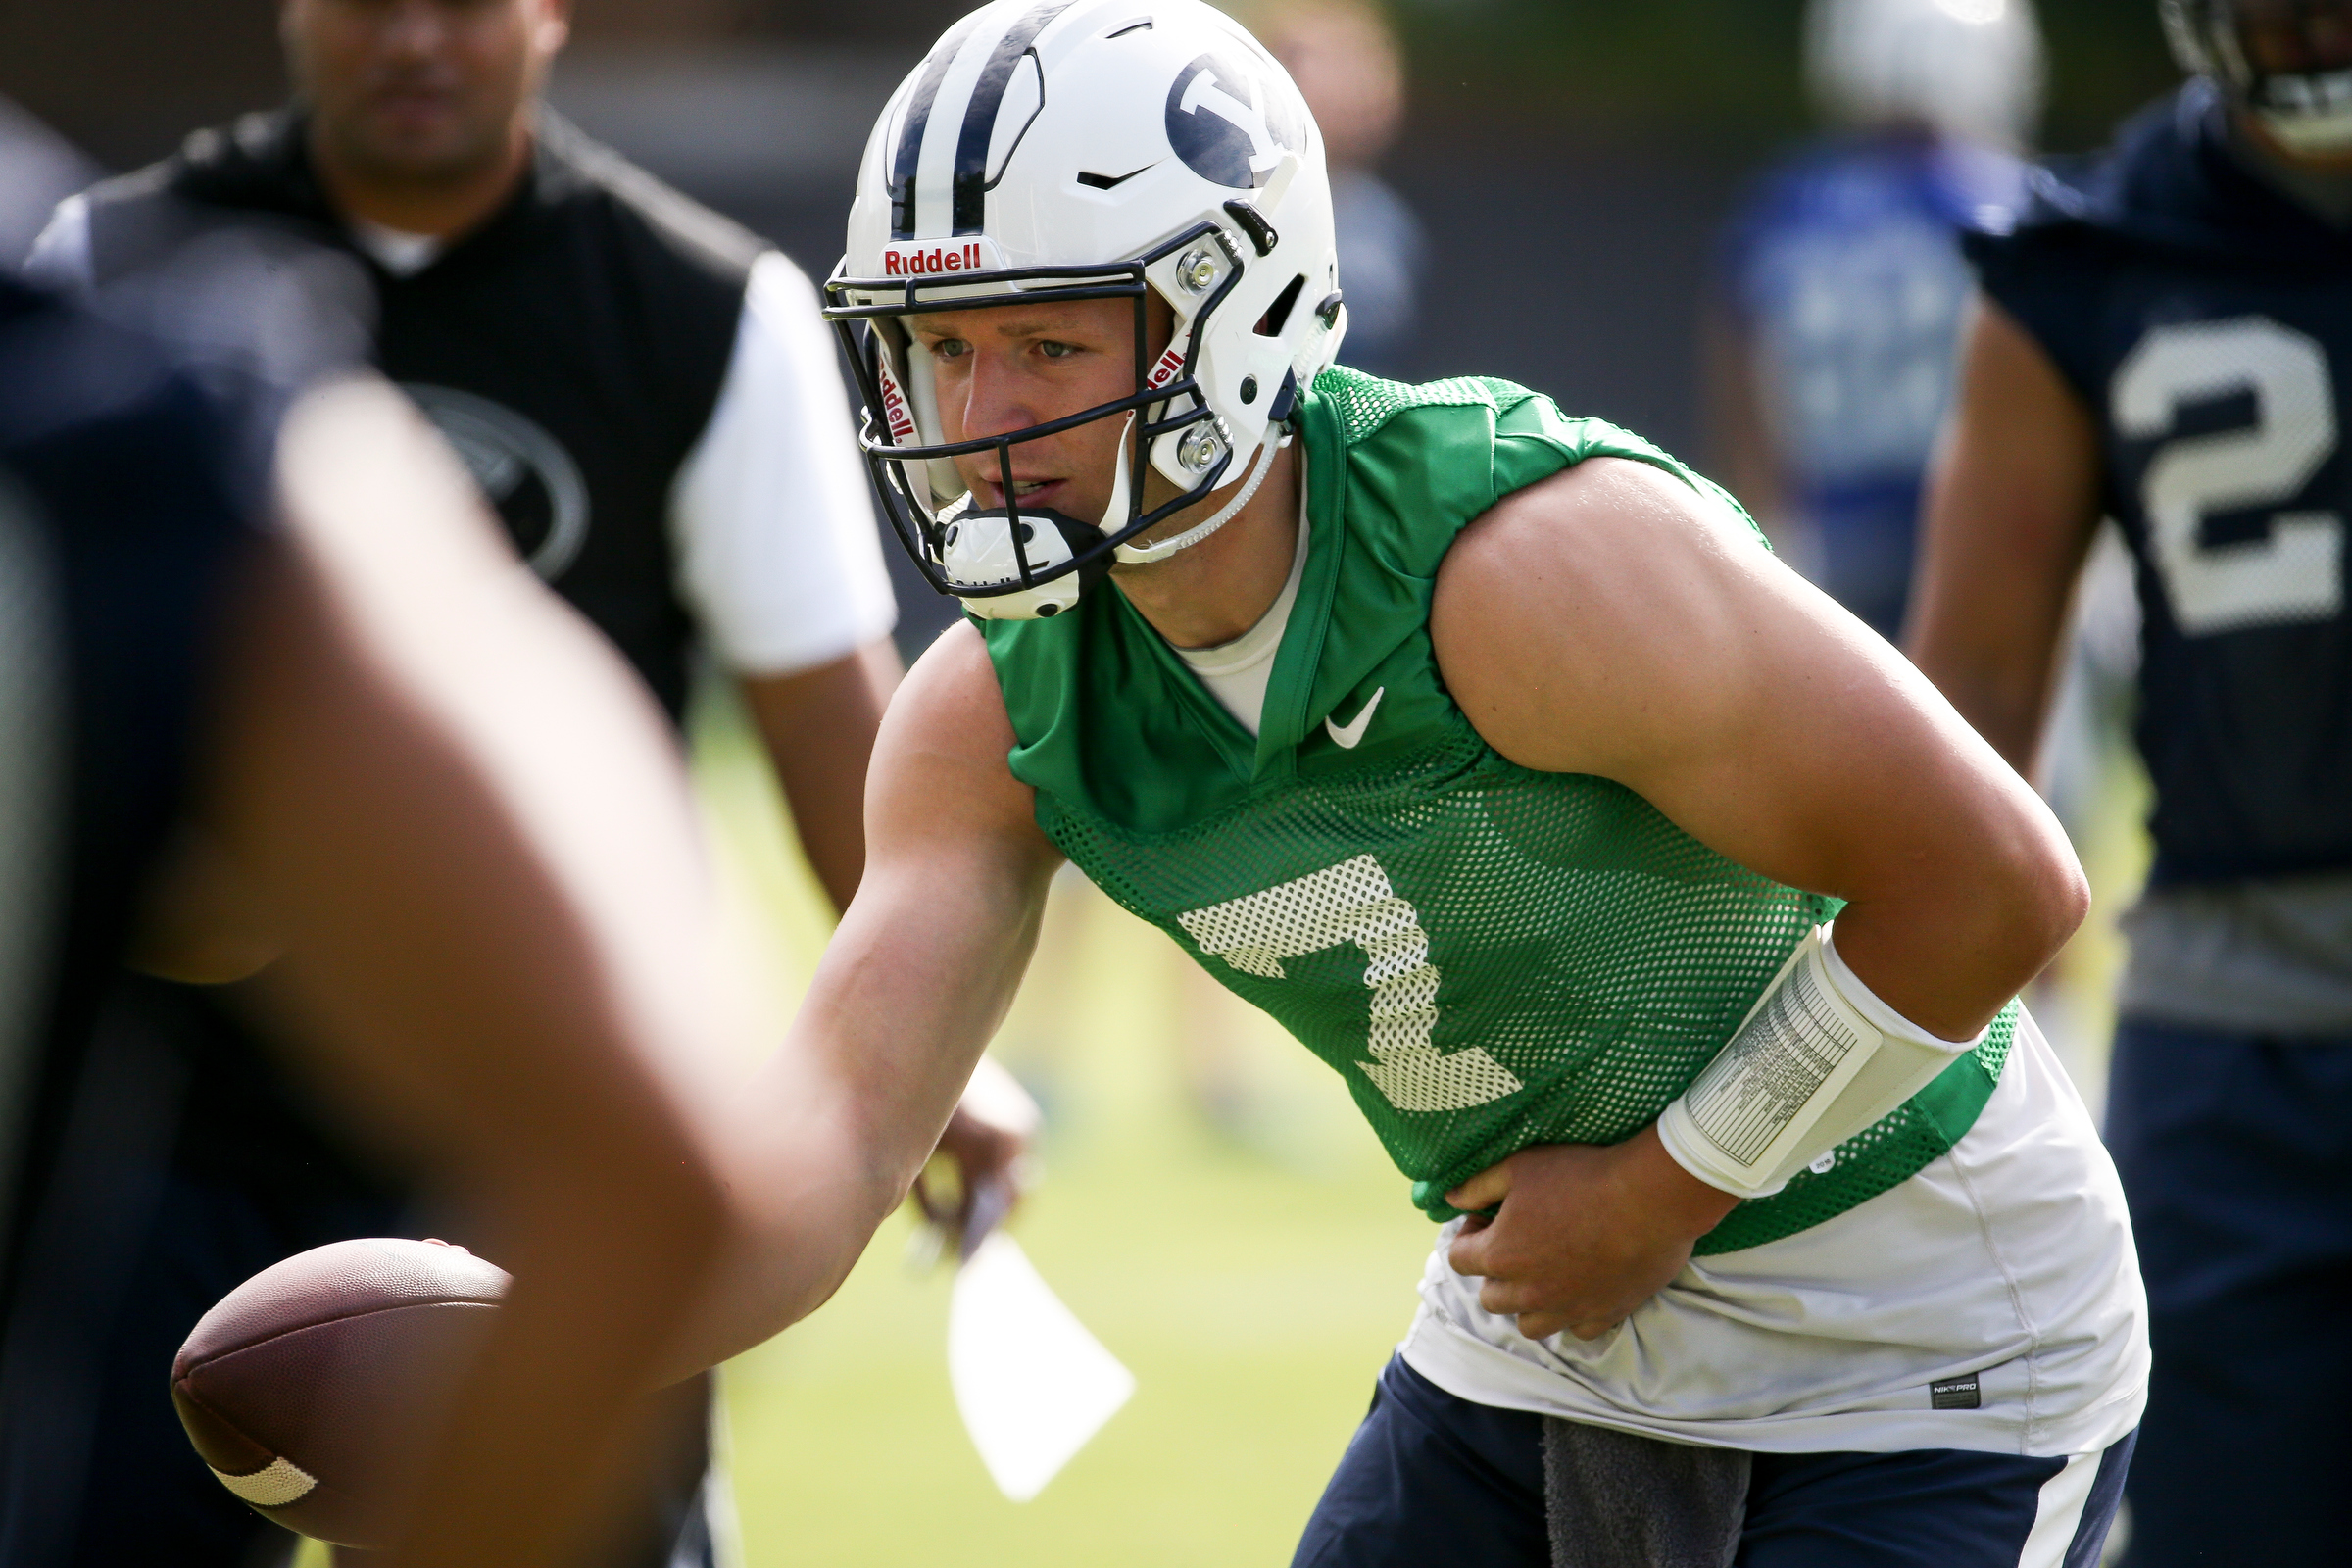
pixel 1346 61
pixel 1843 283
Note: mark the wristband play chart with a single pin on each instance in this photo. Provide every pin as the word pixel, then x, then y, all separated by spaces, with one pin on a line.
pixel 1818 1058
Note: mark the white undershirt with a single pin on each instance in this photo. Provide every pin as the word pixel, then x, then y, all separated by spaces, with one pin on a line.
pixel 395 250
pixel 1236 672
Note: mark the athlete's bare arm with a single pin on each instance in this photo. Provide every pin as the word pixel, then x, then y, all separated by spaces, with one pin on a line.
pixel 911 988
pixel 2012 503
pixel 818 727
pixel 1615 622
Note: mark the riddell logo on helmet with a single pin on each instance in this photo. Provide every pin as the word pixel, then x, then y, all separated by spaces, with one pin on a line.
pixel 894 411
pixel 915 264
pixel 903 260
pixel 1170 363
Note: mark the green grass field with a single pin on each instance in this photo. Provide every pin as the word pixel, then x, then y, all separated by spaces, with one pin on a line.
pixel 1253 1306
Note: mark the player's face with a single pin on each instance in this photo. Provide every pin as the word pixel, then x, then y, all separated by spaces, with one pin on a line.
pixel 2296 38
pixel 422 89
pixel 1007 368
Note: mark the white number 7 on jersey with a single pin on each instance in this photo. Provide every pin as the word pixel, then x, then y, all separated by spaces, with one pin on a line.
pixel 1353 902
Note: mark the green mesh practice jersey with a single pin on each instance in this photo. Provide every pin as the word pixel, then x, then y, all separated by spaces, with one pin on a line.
pixel 1490 957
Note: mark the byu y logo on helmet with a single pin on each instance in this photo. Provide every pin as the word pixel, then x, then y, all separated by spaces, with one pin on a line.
pixel 1231 140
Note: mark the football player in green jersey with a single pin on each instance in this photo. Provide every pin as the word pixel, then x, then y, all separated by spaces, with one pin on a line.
pixel 1493 753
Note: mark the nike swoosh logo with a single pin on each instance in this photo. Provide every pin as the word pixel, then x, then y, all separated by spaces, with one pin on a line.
pixel 1111 181
pixel 1346 735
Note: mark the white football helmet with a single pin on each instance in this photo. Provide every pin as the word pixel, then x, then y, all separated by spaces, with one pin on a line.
pixel 1089 149
pixel 1970 68
pixel 2288 61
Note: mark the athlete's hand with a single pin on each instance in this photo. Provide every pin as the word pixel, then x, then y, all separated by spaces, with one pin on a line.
pixel 988 1139
pixel 1586 1232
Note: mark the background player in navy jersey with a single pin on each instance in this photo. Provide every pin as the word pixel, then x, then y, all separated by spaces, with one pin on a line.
pixel 2164 339
pixel 648 395
pixel 1843 281
pixel 289 633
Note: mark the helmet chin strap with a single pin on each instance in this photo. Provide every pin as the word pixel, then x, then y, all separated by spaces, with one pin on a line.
pixel 1145 554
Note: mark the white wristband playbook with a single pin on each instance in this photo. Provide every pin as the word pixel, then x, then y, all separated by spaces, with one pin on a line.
pixel 1817 1060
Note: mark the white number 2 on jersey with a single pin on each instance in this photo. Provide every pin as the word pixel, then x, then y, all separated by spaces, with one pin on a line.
pixel 2296 572
pixel 1353 902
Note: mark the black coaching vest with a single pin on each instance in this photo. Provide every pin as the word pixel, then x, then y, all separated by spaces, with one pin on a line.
pixel 2206 321
pixel 571 348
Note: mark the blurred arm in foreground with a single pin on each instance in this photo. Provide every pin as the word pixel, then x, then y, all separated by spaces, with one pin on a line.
pixel 469 827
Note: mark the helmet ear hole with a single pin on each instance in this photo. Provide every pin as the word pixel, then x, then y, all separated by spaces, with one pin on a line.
pixel 1277 314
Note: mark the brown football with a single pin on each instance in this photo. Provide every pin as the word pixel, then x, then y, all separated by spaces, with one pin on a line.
pixel 304 1388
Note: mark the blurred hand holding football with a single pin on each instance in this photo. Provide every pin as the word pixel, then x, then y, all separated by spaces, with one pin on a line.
pixel 306 1388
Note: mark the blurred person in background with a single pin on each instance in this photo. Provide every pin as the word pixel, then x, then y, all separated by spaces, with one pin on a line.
pixel 1344 58
pixel 270 676
pixel 1843 283
pixel 2162 340
pixel 647 395
pixel 640 386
